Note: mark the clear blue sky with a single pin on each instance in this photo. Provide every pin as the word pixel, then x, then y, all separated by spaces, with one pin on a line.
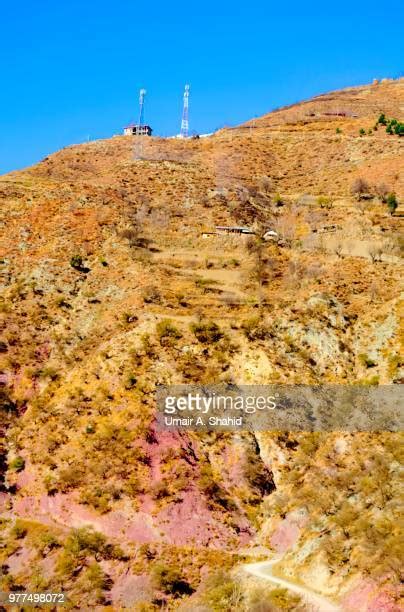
pixel 72 68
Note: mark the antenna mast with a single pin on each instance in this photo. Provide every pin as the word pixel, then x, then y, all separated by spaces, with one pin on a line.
pixel 185 122
pixel 141 107
pixel 138 148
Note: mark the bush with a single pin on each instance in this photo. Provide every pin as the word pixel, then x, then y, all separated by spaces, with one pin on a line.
pixel 382 191
pixel 359 187
pixel 85 539
pixel 167 332
pixel 170 581
pixel 207 333
pixel 399 129
pixel 362 132
pixel 76 262
pixel 324 202
pixel 151 295
pixel 221 593
pixel 367 361
pixel 254 329
pixel 382 119
pixel 391 202
pixel 283 600
pixel 17 464
pixel 69 477
pixel 19 530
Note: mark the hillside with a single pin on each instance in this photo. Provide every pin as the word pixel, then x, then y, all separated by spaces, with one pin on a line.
pixel 108 272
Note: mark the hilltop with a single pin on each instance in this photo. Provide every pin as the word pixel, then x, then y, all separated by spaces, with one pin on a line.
pixel 112 284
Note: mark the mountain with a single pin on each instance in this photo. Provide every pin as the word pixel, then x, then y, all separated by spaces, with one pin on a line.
pixel 114 282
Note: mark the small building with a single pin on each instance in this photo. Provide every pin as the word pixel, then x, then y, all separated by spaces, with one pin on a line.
pixel 270 235
pixel 230 229
pixel 134 129
pixel 326 229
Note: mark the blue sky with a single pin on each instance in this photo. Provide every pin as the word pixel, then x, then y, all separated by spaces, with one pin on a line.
pixel 71 69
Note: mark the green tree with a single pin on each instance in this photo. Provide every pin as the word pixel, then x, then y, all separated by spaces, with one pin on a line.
pixel 76 262
pixel 391 202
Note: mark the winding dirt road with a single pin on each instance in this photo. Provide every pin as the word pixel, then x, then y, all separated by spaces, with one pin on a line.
pixel 316 602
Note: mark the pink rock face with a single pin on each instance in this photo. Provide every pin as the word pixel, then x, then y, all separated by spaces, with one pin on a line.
pixel 383 603
pixel 4 501
pixel 64 510
pixel 19 561
pixel 186 521
pixel 129 590
pixel 190 521
pixel 25 478
pixel 285 536
pixel 368 596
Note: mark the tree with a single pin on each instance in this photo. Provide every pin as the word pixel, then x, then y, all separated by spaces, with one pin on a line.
pixel 359 187
pixel 382 119
pixel 170 580
pixel 375 253
pixel 382 191
pixel 391 202
pixel 265 184
pixel 338 249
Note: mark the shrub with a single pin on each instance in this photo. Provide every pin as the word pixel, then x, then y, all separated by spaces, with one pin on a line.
pixel 362 132
pixel 283 600
pixel 151 295
pixel 382 191
pixel 167 332
pixel 69 477
pixel 97 498
pixel 391 202
pixel 208 332
pixel 324 202
pixel 254 329
pixel 129 317
pixel 17 464
pixel 399 129
pixel 359 187
pixel 76 262
pixel 94 581
pixel 19 530
pixel 47 542
pixel 365 360
pixel 221 592
pixel 382 119
pixel 338 130
pixel 170 580
pixel 85 540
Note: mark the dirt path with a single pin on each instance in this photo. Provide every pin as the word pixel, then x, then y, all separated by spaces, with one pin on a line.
pixel 315 602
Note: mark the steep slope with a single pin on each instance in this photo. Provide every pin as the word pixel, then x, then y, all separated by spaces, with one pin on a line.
pixel 105 267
